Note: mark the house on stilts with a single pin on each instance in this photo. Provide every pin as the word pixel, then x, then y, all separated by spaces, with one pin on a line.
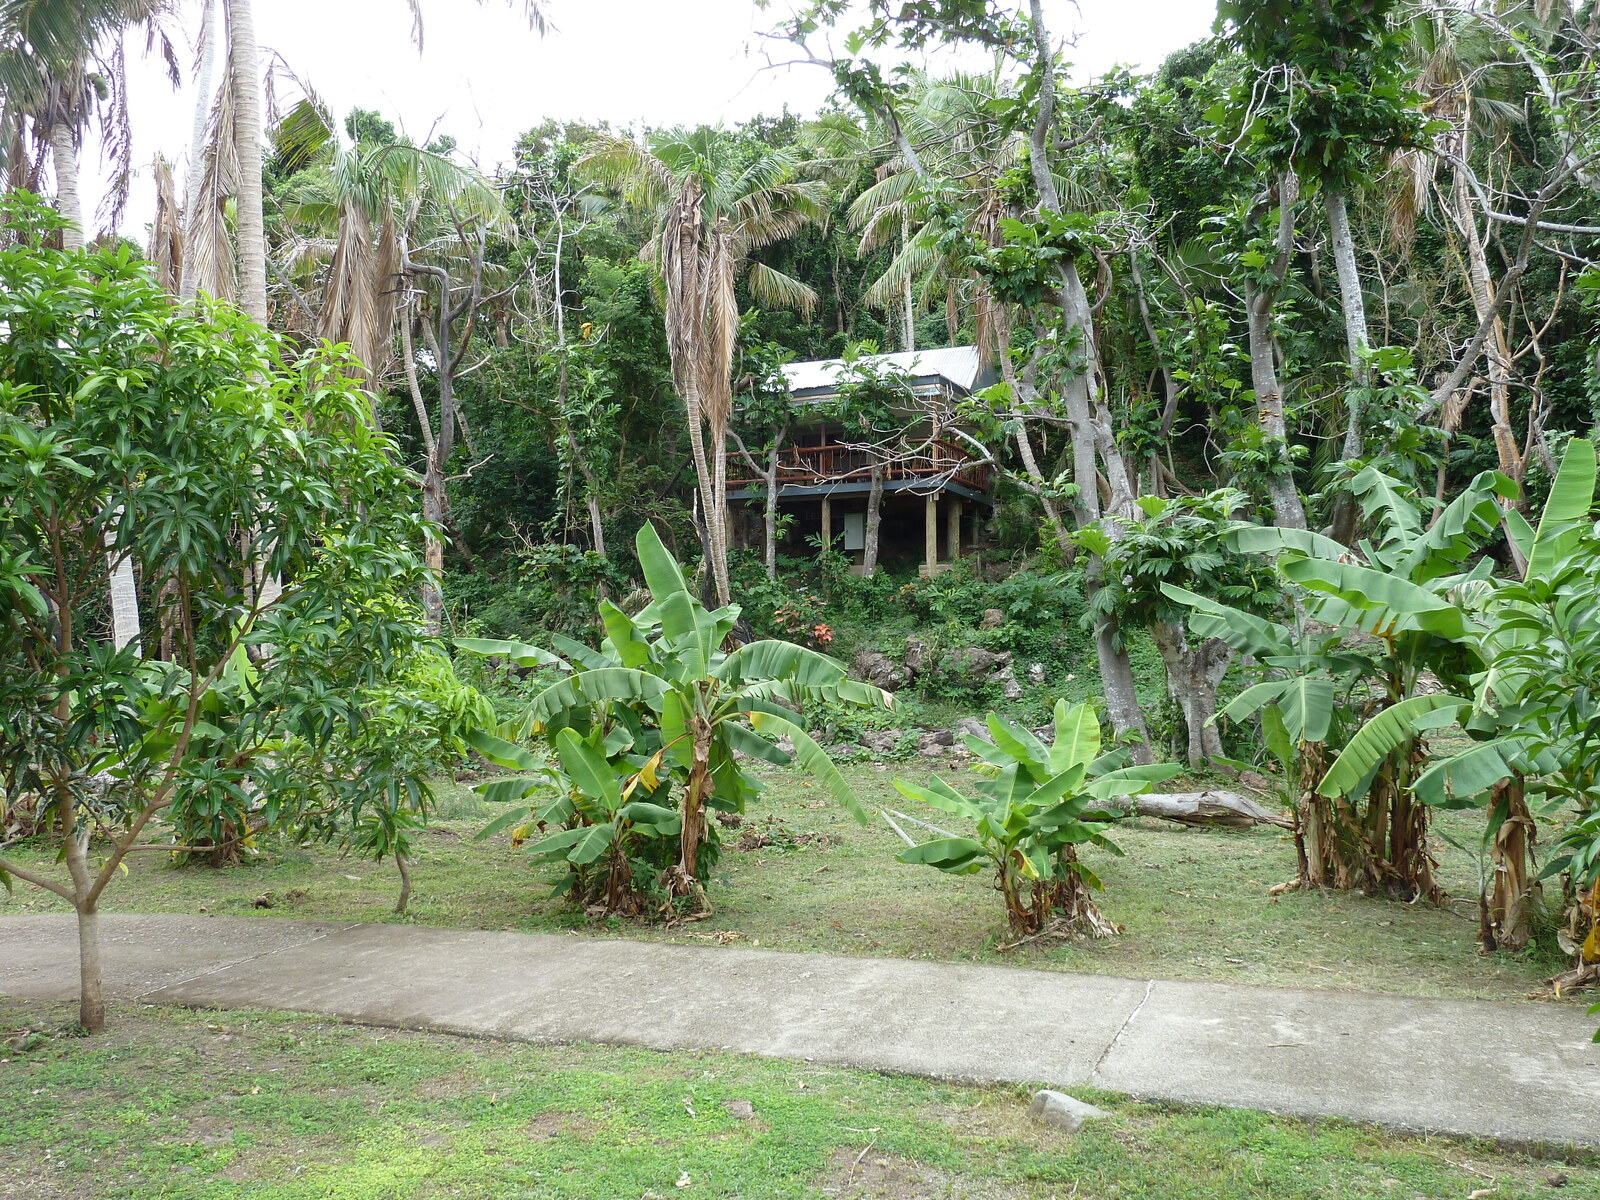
pixel 935 485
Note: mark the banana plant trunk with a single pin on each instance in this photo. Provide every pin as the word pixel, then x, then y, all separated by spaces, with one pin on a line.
pixel 698 786
pixel 1504 917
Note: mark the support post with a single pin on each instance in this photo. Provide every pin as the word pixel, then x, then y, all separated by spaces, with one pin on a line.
pixel 827 520
pixel 952 527
pixel 930 531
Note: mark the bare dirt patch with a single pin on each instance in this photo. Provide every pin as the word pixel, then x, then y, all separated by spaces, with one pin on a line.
pixel 868 1175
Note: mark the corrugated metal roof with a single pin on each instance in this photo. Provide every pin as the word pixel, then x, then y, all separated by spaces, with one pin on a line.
pixel 958 364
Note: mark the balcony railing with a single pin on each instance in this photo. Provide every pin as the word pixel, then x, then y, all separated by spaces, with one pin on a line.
pixel 813 466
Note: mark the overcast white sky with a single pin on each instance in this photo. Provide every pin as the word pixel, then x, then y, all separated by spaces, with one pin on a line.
pixel 484 77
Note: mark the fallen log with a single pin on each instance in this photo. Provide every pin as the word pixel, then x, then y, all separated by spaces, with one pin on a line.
pixel 1231 809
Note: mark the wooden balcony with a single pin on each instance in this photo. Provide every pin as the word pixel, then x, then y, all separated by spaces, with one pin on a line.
pixel 816 466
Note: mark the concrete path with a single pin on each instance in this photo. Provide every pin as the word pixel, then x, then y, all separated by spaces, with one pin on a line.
pixel 1523 1071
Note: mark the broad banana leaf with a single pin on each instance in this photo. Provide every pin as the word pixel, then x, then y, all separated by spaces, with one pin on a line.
pixel 1391 604
pixel 746 741
pixel 939 794
pixel 586 657
pixel 616 685
pixel 1385 733
pixel 588 769
pixel 501 752
pixel 506 789
pixel 662 574
pixel 769 659
pixel 1131 781
pixel 665 821
pixel 1467 775
pixel 1381 493
pixel 1459 529
pixel 631 649
pixel 813 759
pixel 958 856
pixel 1273 539
pixel 520 653
pixel 1017 743
pixel 1245 632
pixel 1077 737
pixel 1565 512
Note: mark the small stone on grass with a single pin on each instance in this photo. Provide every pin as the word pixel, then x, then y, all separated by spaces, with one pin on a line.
pixel 1062 1111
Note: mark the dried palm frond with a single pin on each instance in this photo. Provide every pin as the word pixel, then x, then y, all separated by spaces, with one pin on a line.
pixel 166 229
pixel 208 264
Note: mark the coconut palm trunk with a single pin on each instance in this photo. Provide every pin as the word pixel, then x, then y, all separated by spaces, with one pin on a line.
pixel 245 82
pixel 194 181
pixel 69 200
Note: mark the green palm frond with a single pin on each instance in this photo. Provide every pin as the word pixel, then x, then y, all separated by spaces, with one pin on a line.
pixel 773 289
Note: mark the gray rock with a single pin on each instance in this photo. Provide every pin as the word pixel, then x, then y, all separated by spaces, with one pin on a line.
pixel 1061 1111
pixel 878 669
pixel 1036 673
pixel 973 726
pixel 1007 679
pixel 880 741
pixel 916 656
pixel 970 660
pixel 934 743
pixel 993 618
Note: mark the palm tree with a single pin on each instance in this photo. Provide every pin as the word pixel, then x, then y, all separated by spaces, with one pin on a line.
pixel 715 199
pixel 61 64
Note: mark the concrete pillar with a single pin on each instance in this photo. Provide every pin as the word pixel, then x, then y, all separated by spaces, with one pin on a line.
pixel 930 531
pixel 827 520
pixel 952 527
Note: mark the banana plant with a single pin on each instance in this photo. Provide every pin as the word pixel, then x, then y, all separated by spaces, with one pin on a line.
pixel 671 705
pixel 1374 621
pixel 1030 816
pixel 1528 700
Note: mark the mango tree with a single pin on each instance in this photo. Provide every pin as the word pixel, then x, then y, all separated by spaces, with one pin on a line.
pixel 670 709
pixel 204 449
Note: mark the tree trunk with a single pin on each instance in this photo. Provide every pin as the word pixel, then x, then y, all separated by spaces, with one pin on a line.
pixel 1495 347
pixel 435 512
pixel 1193 673
pixel 596 527
pixel 1354 308
pixel 188 282
pixel 69 200
pixel 403 865
pixel 769 522
pixel 91 985
pixel 909 332
pixel 869 551
pixel 1287 509
pixel 246 84
pixel 125 628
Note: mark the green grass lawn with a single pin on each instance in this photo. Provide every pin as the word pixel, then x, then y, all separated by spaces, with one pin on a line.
pixel 1193 903
pixel 181 1105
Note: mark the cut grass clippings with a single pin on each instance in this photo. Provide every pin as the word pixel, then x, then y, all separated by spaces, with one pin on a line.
pixel 184 1105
